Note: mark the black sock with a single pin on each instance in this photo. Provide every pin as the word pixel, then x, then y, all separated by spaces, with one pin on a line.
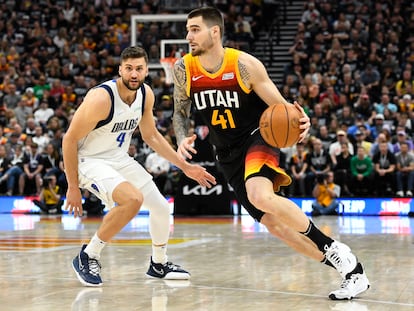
pixel 317 237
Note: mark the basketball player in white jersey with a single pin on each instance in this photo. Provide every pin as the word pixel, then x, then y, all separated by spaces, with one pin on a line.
pixel 95 157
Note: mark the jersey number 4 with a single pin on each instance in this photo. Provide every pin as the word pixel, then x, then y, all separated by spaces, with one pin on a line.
pixel 224 119
pixel 121 139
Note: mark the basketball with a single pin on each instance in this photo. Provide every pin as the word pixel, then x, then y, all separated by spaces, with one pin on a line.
pixel 279 125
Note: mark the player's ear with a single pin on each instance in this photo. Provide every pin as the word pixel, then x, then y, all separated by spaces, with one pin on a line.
pixel 215 30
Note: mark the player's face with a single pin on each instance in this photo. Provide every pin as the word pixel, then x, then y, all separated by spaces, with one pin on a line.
pixel 133 72
pixel 199 36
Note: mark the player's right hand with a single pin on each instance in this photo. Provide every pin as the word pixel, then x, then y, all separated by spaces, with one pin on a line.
pixel 74 202
pixel 185 149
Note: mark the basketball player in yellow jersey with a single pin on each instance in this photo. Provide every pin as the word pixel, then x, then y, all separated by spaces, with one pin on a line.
pixel 229 89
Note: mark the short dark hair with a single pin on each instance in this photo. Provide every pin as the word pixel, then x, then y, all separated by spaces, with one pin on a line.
pixel 134 52
pixel 211 17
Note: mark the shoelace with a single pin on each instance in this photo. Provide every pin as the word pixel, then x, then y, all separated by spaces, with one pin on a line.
pixel 331 253
pixel 94 266
pixel 172 266
pixel 345 282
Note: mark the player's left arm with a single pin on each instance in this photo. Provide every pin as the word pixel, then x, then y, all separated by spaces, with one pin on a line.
pixel 256 78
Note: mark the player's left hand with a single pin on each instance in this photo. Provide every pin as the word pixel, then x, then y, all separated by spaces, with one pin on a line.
pixel 200 175
pixel 304 122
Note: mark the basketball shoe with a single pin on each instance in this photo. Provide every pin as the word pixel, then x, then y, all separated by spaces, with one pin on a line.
pixel 167 271
pixel 341 257
pixel 354 284
pixel 87 269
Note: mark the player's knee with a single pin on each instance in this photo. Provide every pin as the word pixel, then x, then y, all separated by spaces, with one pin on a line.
pixel 256 197
pixel 136 201
pixel 132 202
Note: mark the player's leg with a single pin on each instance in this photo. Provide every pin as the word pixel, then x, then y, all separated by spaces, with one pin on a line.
pixel 160 267
pixel 292 238
pixel 129 200
pixel 109 189
pixel 289 221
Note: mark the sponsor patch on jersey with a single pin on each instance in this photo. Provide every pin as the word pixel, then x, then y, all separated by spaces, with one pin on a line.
pixel 227 76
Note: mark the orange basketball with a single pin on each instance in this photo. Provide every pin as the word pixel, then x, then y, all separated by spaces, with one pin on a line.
pixel 279 125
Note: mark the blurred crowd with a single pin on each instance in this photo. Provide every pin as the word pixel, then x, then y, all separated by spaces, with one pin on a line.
pixel 352 71
pixel 52 52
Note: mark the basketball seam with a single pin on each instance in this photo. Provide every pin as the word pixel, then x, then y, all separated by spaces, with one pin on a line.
pixel 288 125
pixel 271 125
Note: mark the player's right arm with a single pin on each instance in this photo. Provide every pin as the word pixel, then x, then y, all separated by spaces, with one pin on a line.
pixel 94 108
pixel 182 109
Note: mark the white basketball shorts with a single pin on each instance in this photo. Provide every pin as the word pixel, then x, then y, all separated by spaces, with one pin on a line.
pixel 101 177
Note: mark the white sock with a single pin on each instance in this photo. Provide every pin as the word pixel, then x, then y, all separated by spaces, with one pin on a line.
pixel 159 254
pixel 95 247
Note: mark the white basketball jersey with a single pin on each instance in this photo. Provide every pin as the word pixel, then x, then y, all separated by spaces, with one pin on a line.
pixel 111 137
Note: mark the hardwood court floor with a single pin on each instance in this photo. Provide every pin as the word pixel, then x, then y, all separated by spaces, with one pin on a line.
pixel 235 265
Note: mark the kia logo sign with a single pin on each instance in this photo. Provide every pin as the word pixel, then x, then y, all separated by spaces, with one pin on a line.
pixel 199 190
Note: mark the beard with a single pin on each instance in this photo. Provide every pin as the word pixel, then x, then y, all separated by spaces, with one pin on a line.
pixel 128 85
pixel 202 49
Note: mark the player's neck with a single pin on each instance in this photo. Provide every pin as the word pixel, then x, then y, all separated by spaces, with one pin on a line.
pixel 126 95
pixel 213 60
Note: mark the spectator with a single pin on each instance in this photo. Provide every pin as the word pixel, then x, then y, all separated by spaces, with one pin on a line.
pixel 325 193
pixel 40 86
pixel 40 139
pixel 377 125
pixel 360 140
pixel 404 174
pixel 362 173
pixel 31 100
pixel 52 162
pixel 298 167
pixel 30 180
pixel 405 104
pixel 336 53
pixel 30 127
pixel 384 104
pixel 22 112
pixel 342 169
pixel 336 148
pixel 405 85
pixel 370 79
pixel 43 113
pixel 69 98
pixel 384 170
pixel 12 143
pixel 11 99
pixel 402 139
pixel 311 15
pixel 325 137
pixel 389 77
pixel 319 162
pixel 57 89
pixel 383 136
pixel 12 175
pixel 50 201
pixel 364 107
pixel 4 161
